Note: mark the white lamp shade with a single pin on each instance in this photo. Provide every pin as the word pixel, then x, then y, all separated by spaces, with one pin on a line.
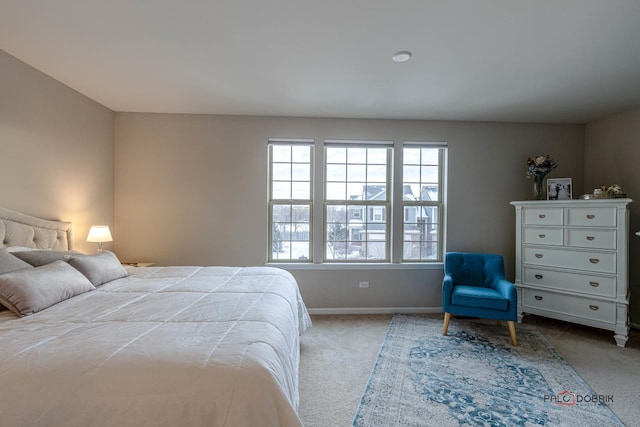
pixel 99 233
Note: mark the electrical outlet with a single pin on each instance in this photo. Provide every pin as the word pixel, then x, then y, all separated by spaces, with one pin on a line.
pixel 364 284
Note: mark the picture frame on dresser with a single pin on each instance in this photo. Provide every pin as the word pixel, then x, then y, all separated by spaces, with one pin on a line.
pixel 572 262
pixel 559 189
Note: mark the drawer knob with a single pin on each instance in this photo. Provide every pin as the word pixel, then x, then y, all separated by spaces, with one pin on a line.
pixel 593 307
pixel 591 216
pixel 594 284
pixel 594 260
pixel 591 238
pixel 542 236
pixel 538 276
pixel 539 255
pixel 542 216
pixel 538 298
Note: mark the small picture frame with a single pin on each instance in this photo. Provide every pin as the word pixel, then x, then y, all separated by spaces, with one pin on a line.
pixel 559 189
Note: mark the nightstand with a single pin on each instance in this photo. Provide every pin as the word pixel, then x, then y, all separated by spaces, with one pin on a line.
pixel 139 264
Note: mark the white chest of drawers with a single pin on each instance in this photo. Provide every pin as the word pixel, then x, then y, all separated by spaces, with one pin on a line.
pixel 572 262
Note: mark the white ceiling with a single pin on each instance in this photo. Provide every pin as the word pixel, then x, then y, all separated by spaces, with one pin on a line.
pixel 557 61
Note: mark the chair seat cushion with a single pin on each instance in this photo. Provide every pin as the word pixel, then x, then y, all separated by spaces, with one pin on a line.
pixel 480 297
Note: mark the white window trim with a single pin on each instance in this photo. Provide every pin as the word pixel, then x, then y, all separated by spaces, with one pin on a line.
pixel 435 265
pixel 399 205
pixel 364 203
pixel 272 202
pixel 397 210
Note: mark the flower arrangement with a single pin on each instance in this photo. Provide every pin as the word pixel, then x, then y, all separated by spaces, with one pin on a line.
pixel 539 166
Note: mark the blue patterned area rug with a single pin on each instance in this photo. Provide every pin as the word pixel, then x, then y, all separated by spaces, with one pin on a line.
pixel 474 377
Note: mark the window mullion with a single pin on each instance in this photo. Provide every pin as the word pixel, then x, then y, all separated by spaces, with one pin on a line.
pixel 397 205
pixel 318 208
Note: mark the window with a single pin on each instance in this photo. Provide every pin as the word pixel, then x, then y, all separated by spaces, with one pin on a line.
pixel 360 215
pixel 422 199
pixel 290 201
pixel 357 180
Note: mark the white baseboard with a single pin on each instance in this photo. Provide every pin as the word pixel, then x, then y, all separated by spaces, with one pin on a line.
pixel 375 310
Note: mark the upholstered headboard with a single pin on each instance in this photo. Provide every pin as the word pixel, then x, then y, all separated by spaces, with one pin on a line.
pixel 18 229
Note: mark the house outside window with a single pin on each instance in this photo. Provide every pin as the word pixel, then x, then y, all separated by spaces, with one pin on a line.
pixel 357 179
pixel 423 202
pixel 290 200
pixel 356 215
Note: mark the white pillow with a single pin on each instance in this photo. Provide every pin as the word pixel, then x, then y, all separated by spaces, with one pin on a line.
pixel 28 291
pixel 9 262
pixel 41 257
pixel 99 268
pixel 23 249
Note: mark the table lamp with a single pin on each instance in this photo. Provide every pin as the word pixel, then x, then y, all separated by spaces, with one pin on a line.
pixel 99 234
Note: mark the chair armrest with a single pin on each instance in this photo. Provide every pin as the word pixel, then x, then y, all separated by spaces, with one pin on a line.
pixel 447 283
pixel 506 289
pixel 447 290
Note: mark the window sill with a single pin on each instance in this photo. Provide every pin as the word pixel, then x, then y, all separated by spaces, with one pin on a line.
pixel 357 266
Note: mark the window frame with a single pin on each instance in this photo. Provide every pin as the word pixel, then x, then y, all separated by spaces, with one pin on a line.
pixel 439 204
pixel 384 205
pixel 291 201
pixel 394 205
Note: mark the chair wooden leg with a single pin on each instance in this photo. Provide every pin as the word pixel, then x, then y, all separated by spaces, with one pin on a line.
pixel 512 331
pixel 447 317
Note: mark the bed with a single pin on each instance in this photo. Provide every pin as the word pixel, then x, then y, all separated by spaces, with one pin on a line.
pixel 129 346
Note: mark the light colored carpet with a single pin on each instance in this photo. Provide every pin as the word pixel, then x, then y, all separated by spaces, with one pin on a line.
pixel 336 357
pixel 339 352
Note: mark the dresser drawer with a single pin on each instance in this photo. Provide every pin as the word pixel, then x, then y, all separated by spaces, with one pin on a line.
pixel 591 217
pixel 594 285
pixel 543 236
pixel 602 262
pixel 585 238
pixel 542 216
pixel 568 304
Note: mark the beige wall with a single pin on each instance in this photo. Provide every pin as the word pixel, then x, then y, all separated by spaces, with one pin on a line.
pixel 191 189
pixel 612 147
pixel 56 150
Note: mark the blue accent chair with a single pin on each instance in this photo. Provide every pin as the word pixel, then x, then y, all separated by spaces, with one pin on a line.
pixel 474 285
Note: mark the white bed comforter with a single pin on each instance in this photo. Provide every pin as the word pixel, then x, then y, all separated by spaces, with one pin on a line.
pixel 166 346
